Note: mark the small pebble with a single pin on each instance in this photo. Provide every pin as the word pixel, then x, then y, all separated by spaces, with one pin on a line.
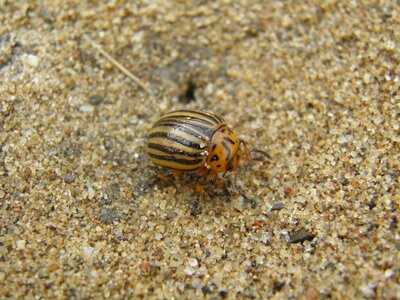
pixel 163 204
pixel 2 194
pixel 193 262
pixel 278 285
pixel 21 244
pixel 388 273
pixel 68 178
pixel 46 15
pixel 189 271
pixel 206 289
pixel 264 238
pixel 277 206
pixel 86 108
pixel 210 236
pixel 90 193
pixel 223 293
pixel 95 100
pixel 367 291
pixel 32 60
pixel 300 236
pixel 87 250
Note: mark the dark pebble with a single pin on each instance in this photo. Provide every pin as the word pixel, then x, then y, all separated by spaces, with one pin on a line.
pixel 371 204
pixel 278 285
pixel 69 178
pixel 300 236
pixel 206 290
pixel 223 293
pixel 277 206
pixel 95 100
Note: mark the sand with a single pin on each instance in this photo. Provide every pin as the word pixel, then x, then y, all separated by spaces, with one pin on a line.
pixel 316 85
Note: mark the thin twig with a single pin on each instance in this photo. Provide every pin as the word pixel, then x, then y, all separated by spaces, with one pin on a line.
pixel 117 64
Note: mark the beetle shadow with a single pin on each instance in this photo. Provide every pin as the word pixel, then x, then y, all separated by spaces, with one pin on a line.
pixel 210 189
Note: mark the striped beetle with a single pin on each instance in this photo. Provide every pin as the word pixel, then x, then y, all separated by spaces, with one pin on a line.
pixel 195 140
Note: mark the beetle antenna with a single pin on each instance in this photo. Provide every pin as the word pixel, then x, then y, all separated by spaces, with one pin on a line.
pixel 262 153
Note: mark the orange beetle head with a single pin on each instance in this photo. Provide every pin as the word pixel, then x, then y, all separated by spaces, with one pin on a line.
pixel 225 151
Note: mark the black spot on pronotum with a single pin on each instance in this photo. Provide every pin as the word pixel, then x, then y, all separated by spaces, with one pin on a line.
pixel 213 147
pixel 218 166
pixel 215 157
pixel 189 94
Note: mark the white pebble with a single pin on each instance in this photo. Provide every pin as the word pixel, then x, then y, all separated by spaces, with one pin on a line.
pixel 210 236
pixel 342 139
pixel 189 271
pixel 388 273
pixel 32 60
pixel 367 291
pixel 163 204
pixel 86 108
pixel 174 264
pixel 193 262
pixel 88 250
pixel 21 244
pixel 90 193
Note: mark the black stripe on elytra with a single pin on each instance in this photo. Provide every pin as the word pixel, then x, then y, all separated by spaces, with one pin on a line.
pixel 212 117
pixel 183 126
pixel 175 138
pixel 219 119
pixel 179 126
pixel 177 160
pixel 188 119
pixel 229 140
pixel 173 151
pixel 227 149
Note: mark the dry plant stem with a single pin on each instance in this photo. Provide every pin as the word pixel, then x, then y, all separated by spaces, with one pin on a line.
pixel 117 64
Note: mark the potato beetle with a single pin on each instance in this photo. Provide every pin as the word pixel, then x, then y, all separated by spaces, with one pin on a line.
pixel 195 140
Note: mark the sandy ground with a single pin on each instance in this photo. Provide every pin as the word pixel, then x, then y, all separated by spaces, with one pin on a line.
pixel 316 85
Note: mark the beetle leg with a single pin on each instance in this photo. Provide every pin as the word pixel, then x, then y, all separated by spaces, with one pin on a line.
pixel 176 173
pixel 164 177
pixel 197 186
pixel 198 191
pixel 220 183
pixel 195 206
pixel 212 175
pixel 200 173
pixel 152 182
